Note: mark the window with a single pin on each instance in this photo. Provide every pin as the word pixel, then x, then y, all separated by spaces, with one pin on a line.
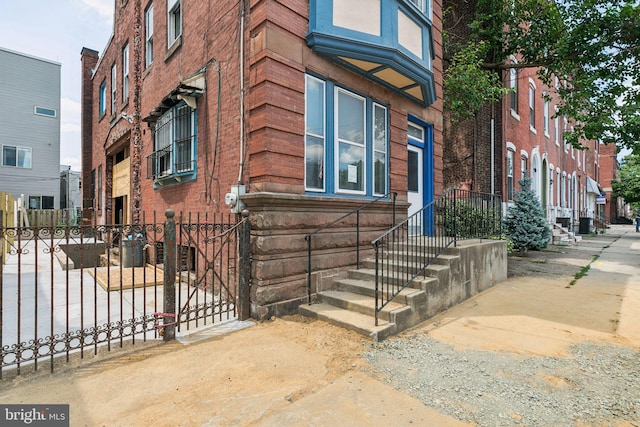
pixel 551 193
pixel 379 150
pixel 174 21
pixel 556 127
pixel 315 141
pixel 510 158
pixel 545 117
pixel 559 185
pixel 125 73
pixel 346 143
pixel 174 144
pixel 102 102
pixel 423 5
pixel 41 111
pixel 19 157
pixel 513 85
pixel 148 35
pixel 350 141
pixel 523 167
pixel 563 189
pixel 40 202
pixel 113 89
pixel 532 107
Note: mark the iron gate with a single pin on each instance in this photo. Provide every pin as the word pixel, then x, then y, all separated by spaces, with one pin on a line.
pixel 76 289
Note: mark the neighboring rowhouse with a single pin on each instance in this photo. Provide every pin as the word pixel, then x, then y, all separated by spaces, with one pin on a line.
pixel 30 129
pixel 303 109
pixel 520 136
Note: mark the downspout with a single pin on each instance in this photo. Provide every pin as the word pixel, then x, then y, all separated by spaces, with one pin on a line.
pixel 241 165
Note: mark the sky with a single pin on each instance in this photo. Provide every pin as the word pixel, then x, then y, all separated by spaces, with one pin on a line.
pixel 57 30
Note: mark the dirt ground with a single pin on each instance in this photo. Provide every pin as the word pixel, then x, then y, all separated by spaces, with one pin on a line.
pixel 287 371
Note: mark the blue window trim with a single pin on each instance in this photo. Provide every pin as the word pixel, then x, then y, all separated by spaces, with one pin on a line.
pixel 102 101
pixel 427 168
pixel 336 42
pixel 330 189
pixel 176 178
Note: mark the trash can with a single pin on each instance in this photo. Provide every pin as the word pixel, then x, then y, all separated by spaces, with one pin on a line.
pixel 585 225
pixel 132 251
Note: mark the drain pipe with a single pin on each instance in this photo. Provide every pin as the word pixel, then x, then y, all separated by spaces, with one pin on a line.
pixel 241 165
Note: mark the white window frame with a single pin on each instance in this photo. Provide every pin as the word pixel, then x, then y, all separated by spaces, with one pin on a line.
pixel 44 111
pixel 557 127
pixel 26 152
pixel 148 35
pixel 423 5
pixel 532 106
pixel 352 143
pixel 524 163
pixel 114 79
pixel 379 146
pixel 125 73
pixel 513 95
pixel 174 21
pixel 545 116
pixel 509 169
pixel 316 134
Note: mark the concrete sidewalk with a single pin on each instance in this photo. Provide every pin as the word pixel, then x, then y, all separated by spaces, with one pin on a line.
pixel 296 371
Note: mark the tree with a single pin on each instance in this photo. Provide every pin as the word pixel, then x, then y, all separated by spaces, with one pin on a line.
pixel 592 46
pixel 627 184
pixel 525 223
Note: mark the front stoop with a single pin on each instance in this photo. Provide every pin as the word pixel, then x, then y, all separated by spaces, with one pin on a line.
pixel 562 237
pixel 456 275
pixel 351 301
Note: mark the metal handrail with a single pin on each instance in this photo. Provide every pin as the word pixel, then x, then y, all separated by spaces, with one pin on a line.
pixel 308 237
pixel 404 252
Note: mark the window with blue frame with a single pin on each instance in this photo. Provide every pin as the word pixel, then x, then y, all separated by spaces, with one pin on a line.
pixel 174 156
pixel 102 106
pixel 423 5
pixel 346 141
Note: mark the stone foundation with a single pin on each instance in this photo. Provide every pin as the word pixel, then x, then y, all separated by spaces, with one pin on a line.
pixel 279 223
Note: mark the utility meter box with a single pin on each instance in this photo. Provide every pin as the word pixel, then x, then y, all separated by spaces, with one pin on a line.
pixel 232 198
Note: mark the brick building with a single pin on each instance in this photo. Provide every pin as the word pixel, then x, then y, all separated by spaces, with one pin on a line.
pixel 302 110
pixel 519 136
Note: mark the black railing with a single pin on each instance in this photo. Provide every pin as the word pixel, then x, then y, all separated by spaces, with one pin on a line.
pixel 309 237
pixel 404 252
pixel 74 290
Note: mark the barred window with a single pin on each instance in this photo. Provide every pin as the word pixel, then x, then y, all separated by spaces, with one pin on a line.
pixel 174 144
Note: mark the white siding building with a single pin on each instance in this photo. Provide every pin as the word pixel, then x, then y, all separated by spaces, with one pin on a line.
pixel 30 129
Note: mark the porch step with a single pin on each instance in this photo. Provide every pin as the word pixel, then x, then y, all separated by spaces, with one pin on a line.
pixel 351 320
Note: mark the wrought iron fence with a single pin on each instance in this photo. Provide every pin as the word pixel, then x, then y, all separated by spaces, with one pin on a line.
pixel 404 252
pixel 77 289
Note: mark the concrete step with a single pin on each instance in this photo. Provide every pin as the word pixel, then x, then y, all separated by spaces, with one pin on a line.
pixel 393 312
pixel 353 321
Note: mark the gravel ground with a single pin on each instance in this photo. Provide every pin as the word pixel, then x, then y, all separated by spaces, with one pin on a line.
pixel 594 386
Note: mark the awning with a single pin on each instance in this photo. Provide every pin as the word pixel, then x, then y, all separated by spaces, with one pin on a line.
pixel 593 187
pixel 187 91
